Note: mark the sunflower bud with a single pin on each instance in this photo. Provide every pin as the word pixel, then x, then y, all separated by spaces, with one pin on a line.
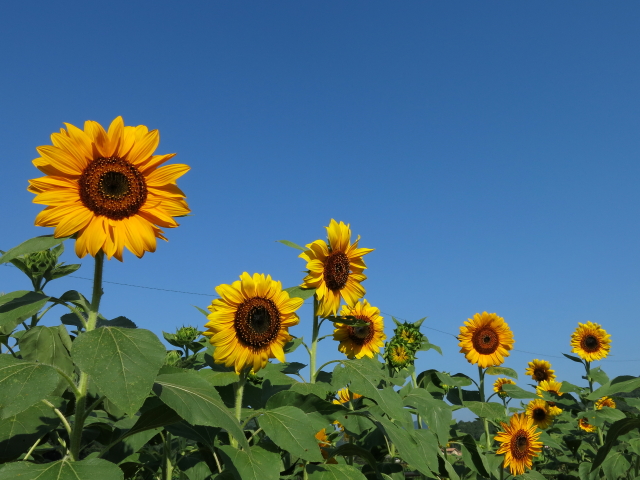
pixel 186 335
pixel 410 334
pixel 40 263
pixel 173 358
pixel 398 354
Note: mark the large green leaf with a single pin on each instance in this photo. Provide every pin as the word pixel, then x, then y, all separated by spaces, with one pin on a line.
pixel 122 362
pixel 194 467
pixel 490 410
pixel 16 307
pixel 195 400
pixel 19 432
pixel 129 444
pixel 508 372
pixel 616 466
pixel 427 447
pixel 334 472
pixel 619 428
pixel 198 433
pixel 22 384
pixel 299 292
pixel 155 415
pixel 291 430
pixel 622 384
pixel 348 449
pixel 532 475
pixel 436 413
pixel 261 465
pixel 36 244
pixel 319 412
pixel 515 391
pixel 472 457
pixel 94 468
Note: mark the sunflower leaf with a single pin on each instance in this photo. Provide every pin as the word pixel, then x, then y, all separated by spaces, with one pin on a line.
pixel 93 468
pixel 515 391
pixel 348 320
pixel 623 384
pixel 22 384
pixel 290 429
pixel 36 244
pixel 490 410
pixel 292 245
pixel 508 372
pixel 334 472
pixel 260 465
pixel 573 358
pixel 435 412
pixel 16 307
pixel 299 292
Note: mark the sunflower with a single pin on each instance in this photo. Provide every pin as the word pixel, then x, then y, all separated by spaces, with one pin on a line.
pixel 398 355
pixel 605 402
pixel 586 426
pixel 365 340
pixel 540 412
pixel 344 396
pixel 249 323
pixel 553 387
pixel 335 270
pixel 497 386
pixel 323 443
pixel 540 370
pixel 590 341
pixel 485 340
pixel 519 443
pixel 105 188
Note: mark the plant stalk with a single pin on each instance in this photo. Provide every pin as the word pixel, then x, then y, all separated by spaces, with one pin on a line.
pixel 414 382
pixel 485 422
pixel 314 341
pixel 167 467
pixel 238 389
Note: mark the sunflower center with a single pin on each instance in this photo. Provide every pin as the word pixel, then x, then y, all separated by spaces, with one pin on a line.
pixel 363 334
pixel 519 445
pixel 539 414
pixel 590 343
pixel 485 340
pixel 257 322
pixel 112 187
pixel 336 271
pixel 540 374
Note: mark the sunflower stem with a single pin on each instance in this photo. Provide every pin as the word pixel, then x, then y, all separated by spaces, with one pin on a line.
pixel 485 422
pixel 587 367
pixel 83 383
pixel 167 467
pixel 314 341
pixel 238 389
pixel 414 383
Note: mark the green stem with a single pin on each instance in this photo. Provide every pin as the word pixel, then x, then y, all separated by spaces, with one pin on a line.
pixel 33 447
pixel 167 467
pixel 83 384
pixel 587 366
pixel 328 363
pixel 59 414
pixel 502 470
pixel 238 389
pixel 414 382
pixel 314 341
pixel 485 422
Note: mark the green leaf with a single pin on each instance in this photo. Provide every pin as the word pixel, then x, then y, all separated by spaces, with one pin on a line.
pixel 128 444
pixel 573 358
pixel 194 467
pixel 616 466
pixel 347 449
pixel 426 346
pixel 19 432
pixel 292 345
pixel 36 244
pixel 94 468
pixel 427 447
pixel 334 472
pixel 122 322
pixel 292 245
pixel 291 430
pixel 197 433
pixel 458 380
pixel 219 379
pixel 201 310
pixel 507 372
pixel 515 391
pixel 22 384
pixel 122 362
pixel 195 400
pixel 16 307
pixel 532 475
pixel 472 457
pixel 158 415
pixel 62 271
pixel 598 375
pixel 299 292
pixel 490 410
pixel 436 413
pixel 261 465
pixel 621 427
pixel 548 440
pixel 585 471
pixel 320 412
pixel 624 384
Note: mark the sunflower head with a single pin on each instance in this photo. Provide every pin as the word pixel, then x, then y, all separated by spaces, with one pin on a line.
pixel 540 413
pixel 249 323
pixel 105 188
pixel 410 335
pixel 584 424
pixel 605 402
pixel 499 383
pixel 553 387
pixel 485 340
pixel 540 370
pixel 364 340
pixel 519 443
pixel 590 341
pixel 335 269
pixel 398 355
pixel 345 395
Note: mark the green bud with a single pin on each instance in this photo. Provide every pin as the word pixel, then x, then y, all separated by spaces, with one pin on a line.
pixel 398 354
pixel 186 335
pixel 40 263
pixel 173 358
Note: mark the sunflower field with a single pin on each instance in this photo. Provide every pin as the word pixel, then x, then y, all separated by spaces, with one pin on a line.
pixel 101 399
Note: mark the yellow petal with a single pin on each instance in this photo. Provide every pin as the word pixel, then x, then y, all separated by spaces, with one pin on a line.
pixel 167 174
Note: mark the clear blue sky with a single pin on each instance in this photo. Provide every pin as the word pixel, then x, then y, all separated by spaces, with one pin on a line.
pixel 488 151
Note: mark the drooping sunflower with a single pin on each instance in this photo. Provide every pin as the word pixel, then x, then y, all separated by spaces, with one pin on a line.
pixel 344 396
pixel 540 370
pixel 605 402
pixel 365 340
pixel 324 443
pixel 519 443
pixel 249 323
pixel 335 270
pixel 590 341
pixel 554 387
pixel 485 340
pixel 539 411
pixel 499 383
pixel 584 424
pixel 105 187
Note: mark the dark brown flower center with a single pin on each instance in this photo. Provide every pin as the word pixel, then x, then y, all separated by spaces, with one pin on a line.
pixel 540 375
pixel 112 187
pixel 485 340
pixel 336 271
pixel 590 343
pixel 361 335
pixel 539 414
pixel 257 322
pixel 520 445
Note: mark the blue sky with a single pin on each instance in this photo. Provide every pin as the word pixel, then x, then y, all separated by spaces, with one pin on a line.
pixel 488 151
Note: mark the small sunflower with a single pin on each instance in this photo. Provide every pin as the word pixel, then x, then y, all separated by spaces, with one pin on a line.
pixel 345 395
pixel 519 443
pixel 398 355
pixel 324 443
pixel 365 340
pixel 105 188
pixel 605 402
pixel 249 323
pixel 485 340
pixel 540 412
pixel 554 387
pixel 586 426
pixel 540 370
pixel 335 270
pixel 499 383
pixel 590 341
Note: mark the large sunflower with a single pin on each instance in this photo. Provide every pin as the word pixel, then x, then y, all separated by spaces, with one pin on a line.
pixel 485 340
pixel 539 411
pixel 540 370
pixel 335 270
pixel 590 341
pixel 499 383
pixel 249 323
pixel 106 188
pixel 554 387
pixel 365 340
pixel 519 443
